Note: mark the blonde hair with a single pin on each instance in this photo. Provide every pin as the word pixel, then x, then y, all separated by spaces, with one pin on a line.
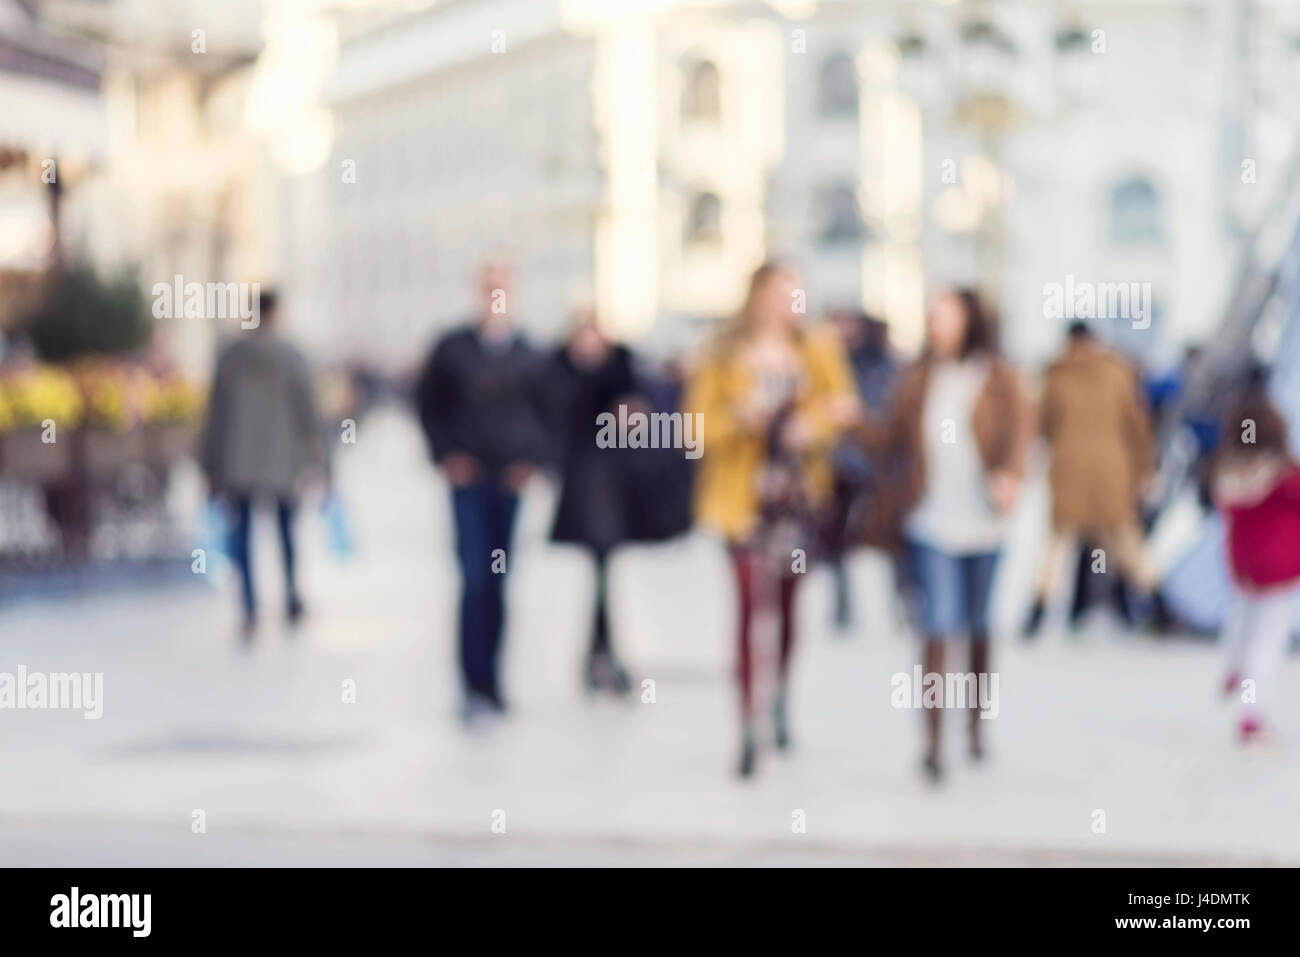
pixel 741 323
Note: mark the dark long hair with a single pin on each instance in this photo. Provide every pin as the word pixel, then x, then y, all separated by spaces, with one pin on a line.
pixel 1269 435
pixel 981 323
pixel 981 334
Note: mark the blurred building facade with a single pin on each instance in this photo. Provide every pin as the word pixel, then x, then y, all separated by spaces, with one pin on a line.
pixel 445 151
pixel 142 103
pixel 647 154
pixel 189 185
pixel 650 154
pixel 52 137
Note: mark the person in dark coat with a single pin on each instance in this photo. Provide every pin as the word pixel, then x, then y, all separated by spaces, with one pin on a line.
pixel 261 438
pixel 859 480
pixel 658 482
pixel 479 402
pixel 588 376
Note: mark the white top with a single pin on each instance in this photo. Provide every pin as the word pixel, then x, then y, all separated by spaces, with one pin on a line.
pixel 956 514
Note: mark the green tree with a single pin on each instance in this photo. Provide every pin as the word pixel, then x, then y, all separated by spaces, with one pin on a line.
pixel 81 312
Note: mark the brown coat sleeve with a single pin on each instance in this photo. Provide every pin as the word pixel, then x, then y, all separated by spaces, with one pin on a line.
pixel 888 434
pixel 1137 431
pixel 1048 413
pixel 1017 416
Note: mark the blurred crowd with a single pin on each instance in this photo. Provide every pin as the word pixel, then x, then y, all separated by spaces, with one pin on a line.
pixel 812 438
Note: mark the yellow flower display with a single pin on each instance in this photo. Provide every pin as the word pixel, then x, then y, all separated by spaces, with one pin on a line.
pixel 102 393
pixel 30 396
pixel 174 400
pixel 118 396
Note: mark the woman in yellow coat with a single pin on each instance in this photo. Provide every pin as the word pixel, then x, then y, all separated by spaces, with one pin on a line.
pixel 772 398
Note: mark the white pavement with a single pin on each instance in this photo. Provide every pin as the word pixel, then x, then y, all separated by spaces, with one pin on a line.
pixel 286 772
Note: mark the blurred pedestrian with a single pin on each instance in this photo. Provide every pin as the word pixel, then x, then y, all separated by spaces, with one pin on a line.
pixel 479 403
pixel 858 477
pixel 263 436
pixel 588 376
pixel 774 397
pixel 1256 487
pixel 959 427
pixel 871 357
pixel 1098 432
pixel 658 482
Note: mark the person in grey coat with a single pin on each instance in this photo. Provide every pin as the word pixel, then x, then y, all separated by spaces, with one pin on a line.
pixel 262 437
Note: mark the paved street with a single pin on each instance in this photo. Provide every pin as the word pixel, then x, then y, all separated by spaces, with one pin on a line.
pixel 287 773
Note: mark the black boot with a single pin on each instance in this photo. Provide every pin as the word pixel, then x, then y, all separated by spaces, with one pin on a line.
pixel 1035 620
pixel 748 753
pixel 933 771
pixel 979 666
pixel 620 683
pixel 1084 580
pixel 1129 611
pixel 1162 619
pixel 495 699
pixel 843 600
pixel 780 728
pixel 604 673
pixel 932 663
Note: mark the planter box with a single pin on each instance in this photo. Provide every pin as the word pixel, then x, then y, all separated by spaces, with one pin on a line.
pixel 105 452
pixel 24 457
pixel 170 442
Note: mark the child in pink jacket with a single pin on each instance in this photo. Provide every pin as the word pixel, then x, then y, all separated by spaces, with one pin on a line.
pixel 1257 490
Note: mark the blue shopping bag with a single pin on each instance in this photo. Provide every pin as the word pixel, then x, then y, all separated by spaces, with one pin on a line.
pixel 337 527
pixel 214 539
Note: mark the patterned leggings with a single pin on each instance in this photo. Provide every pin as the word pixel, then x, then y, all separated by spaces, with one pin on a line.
pixel 761 589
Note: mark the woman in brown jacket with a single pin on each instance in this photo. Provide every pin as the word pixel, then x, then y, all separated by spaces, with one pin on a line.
pixel 958 432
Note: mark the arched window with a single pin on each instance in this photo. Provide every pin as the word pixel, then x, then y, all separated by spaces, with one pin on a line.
pixel 1135 213
pixel 702 95
pixel 704 221
pixel 837 86
pixel 841 219
pixel 986 33
pixel 1072 39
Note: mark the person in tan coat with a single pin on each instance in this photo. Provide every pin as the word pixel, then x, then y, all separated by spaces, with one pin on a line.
pixel 1098 433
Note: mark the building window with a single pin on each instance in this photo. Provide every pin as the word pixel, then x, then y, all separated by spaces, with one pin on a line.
pixel 837 86
pixel 704 222
pixel 984 33
pixel 702 97
pixel 841 219
pixel 1073 39
pixel 1135 214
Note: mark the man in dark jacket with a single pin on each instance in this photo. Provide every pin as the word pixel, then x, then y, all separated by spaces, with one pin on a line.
pixel 478 401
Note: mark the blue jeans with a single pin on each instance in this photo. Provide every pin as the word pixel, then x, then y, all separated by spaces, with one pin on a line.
pixel 241 550
pixel 954 590
pixel 485 514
